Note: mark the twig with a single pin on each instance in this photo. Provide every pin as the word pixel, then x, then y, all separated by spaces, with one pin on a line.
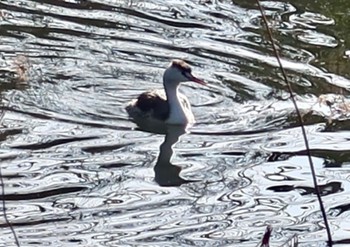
pixel 3 193
pixel 4 208
pixel 308 152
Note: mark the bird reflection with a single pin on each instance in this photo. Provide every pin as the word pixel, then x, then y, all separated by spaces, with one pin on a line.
pixel 167 174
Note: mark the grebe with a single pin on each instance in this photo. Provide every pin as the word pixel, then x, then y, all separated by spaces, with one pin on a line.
pixel 169 107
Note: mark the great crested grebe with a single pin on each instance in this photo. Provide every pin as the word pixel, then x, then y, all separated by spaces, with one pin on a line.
pixel 170 107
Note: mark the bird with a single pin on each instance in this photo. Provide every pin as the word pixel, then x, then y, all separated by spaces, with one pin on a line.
pixel 167 106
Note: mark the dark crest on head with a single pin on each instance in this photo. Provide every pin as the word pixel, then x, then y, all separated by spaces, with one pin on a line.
pixel 182 65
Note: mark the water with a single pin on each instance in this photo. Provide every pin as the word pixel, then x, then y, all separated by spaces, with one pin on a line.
pixel 77 172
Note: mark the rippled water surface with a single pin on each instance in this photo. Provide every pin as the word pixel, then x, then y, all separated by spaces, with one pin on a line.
pixel 78 172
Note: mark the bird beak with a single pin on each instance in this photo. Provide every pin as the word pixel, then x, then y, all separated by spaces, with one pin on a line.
pixel 195 79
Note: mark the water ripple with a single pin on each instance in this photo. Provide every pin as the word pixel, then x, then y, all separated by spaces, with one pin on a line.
pixel 77 172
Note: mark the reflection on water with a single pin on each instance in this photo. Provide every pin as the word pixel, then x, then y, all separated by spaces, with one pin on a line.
pixel 77 172
pixel 167 174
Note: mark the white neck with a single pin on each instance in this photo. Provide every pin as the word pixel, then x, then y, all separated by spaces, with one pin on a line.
pixel 177 112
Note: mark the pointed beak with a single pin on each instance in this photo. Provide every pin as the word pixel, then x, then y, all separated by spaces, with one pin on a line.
pixel 195 79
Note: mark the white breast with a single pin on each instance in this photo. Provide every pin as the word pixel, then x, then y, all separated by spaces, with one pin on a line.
pixel 180 111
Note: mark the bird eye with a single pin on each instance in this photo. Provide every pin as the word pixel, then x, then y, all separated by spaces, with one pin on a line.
pixel 187 74
pixel 186 71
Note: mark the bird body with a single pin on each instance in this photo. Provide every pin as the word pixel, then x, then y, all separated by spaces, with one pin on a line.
pixel 167 106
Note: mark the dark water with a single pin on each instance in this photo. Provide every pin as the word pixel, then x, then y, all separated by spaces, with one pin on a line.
pixel 78 173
